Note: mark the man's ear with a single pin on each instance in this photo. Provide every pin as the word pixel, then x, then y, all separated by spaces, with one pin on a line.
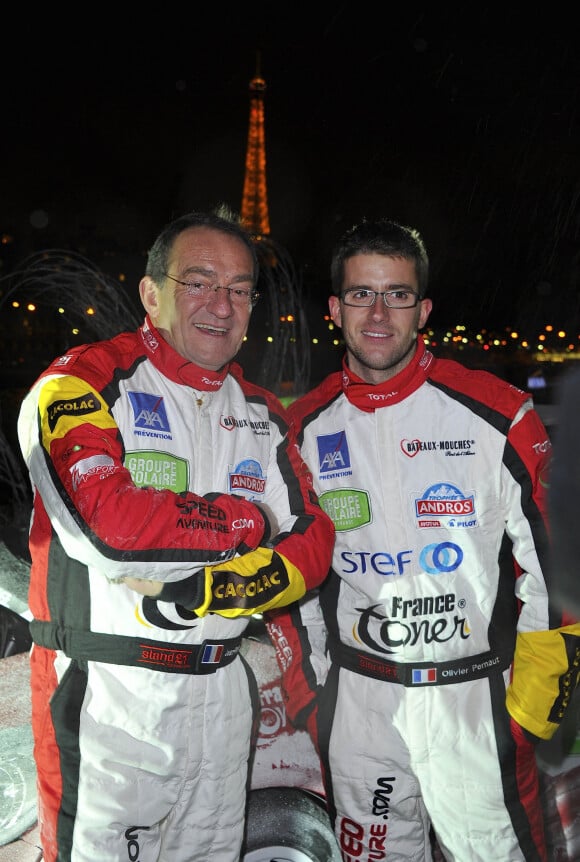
pixel 426 306
pixel 149 293
pixel 334 308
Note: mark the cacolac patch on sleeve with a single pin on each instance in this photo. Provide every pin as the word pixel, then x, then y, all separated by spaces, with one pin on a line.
pixel 65 402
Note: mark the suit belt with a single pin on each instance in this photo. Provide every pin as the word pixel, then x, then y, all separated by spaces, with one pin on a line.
pixel 420 673
pixel 202 658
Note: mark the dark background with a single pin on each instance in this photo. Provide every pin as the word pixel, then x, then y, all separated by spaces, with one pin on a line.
pixel 461 119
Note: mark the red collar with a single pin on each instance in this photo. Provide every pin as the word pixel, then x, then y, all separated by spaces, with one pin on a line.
pixel 369 397
pixel 174 366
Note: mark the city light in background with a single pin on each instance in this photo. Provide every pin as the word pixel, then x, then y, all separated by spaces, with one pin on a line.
pixel 547 344
pixel 293 124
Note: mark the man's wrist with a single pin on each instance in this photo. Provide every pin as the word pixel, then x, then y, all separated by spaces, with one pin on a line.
pixel 188 592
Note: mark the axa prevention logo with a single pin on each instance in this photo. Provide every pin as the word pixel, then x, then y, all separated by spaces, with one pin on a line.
pixel 150 415
pixel 333 455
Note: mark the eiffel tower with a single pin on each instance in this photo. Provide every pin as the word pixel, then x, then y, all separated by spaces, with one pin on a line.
pixel 255 195
pixel 284 366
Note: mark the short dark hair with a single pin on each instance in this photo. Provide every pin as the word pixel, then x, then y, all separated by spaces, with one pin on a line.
pixel 381 236
pixel 222 219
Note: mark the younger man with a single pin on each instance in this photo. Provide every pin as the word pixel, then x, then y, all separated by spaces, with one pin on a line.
pixel 432 657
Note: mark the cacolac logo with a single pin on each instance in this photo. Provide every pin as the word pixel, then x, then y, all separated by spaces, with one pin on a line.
pixel 88 403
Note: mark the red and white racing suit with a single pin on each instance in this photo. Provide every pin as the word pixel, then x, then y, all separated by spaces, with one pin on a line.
pixel 145 466
pixel 433 643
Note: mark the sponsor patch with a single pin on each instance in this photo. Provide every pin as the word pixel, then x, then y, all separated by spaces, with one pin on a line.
pixel 81 406
pixel 150 415
pixel 232 590
pixel 87 468
pixel 410 448
pixel 349 508
pixel 150 469
pixel 333 455
pixel 260 427
pixel 165 657
pixel 445 505
pixel 63 361
pixel 247 479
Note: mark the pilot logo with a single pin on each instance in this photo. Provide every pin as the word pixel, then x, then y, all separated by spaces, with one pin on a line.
pixel 333 455
pixel 150 416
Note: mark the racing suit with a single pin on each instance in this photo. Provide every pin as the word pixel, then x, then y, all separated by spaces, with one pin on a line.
pixel 432 645
pixel 563 496
pixel 146 466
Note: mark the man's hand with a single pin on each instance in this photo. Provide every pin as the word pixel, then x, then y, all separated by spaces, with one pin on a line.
pixel 187 592
pixel 251 583
pixel 143 586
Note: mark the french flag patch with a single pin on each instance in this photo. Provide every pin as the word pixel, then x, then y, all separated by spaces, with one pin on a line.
pixel 428 674
pixel 212 653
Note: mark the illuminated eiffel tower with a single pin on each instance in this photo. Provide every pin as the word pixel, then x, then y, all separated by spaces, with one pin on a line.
pixel 284 366
pixel 255 196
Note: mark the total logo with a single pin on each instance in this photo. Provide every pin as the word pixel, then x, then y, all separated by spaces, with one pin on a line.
pixel 445 505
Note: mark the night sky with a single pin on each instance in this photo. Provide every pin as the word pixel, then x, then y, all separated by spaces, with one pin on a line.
pixel 459 119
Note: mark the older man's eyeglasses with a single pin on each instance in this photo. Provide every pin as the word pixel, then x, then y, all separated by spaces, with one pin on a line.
pixel 396 297
pixel 239 296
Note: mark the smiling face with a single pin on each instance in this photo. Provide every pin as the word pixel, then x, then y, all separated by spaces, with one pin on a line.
pixel 206 329
pixel 380 341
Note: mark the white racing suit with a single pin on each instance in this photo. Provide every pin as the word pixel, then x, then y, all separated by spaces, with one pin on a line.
pixel 146 466
pixel 433 642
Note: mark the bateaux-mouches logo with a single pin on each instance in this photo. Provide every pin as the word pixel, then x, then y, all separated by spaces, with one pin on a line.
pixel 247 478
pixel 411 448
pixel 150 415
pixel 260 427
pixel 333 455
pixel 444 505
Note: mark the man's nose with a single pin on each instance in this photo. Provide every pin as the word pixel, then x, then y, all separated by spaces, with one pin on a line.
pixel 220 299
pixel 379 308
